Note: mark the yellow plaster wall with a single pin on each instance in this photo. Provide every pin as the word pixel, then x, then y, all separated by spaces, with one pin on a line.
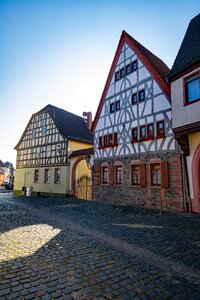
pixel 74 145
pixel 25 177
pixel 194 141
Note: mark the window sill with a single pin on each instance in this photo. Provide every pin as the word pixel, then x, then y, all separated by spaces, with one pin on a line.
pixel 160 136
pixel 189 103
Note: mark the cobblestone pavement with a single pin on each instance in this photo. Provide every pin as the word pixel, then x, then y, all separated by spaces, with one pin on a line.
pixel 72 249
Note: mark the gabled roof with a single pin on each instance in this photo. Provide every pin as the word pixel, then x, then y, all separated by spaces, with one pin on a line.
pixel 189 52
pixel 2 165
pixel 70 126
pixel 155 66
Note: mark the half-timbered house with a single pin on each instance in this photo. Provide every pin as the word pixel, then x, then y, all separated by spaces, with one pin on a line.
pixel 43 151
pixel 136 156
pixel 185 93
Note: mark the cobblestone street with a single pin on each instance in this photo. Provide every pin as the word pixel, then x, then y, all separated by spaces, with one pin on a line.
pixel 71 249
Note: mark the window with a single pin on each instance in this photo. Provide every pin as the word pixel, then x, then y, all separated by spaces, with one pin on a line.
pixel 58 149
pixel 134 135
pixel 33 134
pixel 117 105
pixel 134 65
pixel 112 107
pixel 122 73
pixel 48 151
pixel 46 175
pixel 37 152
pixel 134 98
pixel 118 174
pixel 44 130
pixel 57 178
pixel 105 175
pixel 142 133
pixel 117 77
pixel 36 175
pixel 160 174
pixel 100 142
pixel 141 95
pixel 135 175
pixel 109 140
pixel 150 131
pixel 105 140
pixel 160 129
pixel 128 69
pixel 115 139
pixel 192 89
pixel 155 174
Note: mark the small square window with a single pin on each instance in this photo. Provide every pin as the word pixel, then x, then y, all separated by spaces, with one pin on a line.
pixel 105 175
pixel 160 129
pixel 44 130
pixel 141 95
pixel 128 69
pixel 58 149
pixel 117 104
pixel 134 65
pixel 150 131
pixel 192 88
pixel 118 174
pixel 142 133
pixel 117 76
pixel 135 175
pixel 112 107
pixel 155 174
pixel 134 135
pixel 134 98
pixel 122 73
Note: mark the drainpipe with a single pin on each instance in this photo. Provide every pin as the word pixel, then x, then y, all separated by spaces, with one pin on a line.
pixel 184 182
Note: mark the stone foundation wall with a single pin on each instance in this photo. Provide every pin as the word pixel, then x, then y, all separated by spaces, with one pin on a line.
pixel 170 198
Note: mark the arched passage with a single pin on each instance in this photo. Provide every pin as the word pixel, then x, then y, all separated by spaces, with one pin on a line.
pixel 79 170
pixel 196 180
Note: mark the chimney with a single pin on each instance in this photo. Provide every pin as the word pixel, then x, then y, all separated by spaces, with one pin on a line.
pixel 88 115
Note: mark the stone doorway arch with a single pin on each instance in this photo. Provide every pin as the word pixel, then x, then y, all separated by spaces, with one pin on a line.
pixel 196 180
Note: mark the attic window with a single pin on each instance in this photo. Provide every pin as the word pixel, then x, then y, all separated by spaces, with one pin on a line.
pixel 134 65
pixel 117 77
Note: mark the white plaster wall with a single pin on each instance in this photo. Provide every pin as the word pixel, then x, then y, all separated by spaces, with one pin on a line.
pixel 194 141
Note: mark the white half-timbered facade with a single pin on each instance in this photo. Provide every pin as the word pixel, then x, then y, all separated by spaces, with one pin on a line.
pixel 134 146
pixel 51 135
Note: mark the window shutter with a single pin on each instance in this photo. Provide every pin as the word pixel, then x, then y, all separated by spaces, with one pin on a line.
pixel 111 174
pixel 97 175
pixel 164 174
pixel 143 175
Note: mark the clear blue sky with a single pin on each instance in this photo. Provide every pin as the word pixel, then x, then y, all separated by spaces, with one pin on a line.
pixel 60 52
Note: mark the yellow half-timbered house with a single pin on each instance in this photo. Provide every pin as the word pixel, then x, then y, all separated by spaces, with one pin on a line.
pixel 43 166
